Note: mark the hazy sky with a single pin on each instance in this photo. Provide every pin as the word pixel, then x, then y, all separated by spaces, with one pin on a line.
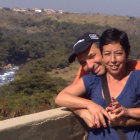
pixel 114 7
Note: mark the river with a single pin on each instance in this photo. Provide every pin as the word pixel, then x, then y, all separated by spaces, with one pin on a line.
pixel 7 75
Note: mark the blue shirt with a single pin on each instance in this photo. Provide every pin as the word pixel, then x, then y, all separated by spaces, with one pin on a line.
pixel 129 98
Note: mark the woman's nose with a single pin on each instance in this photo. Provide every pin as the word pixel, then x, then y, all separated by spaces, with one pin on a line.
pixel 113 58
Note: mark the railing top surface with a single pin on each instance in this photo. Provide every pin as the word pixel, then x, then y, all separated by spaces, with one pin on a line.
pixel 52 114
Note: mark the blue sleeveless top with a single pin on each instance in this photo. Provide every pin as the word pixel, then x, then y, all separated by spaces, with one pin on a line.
pixel 129 98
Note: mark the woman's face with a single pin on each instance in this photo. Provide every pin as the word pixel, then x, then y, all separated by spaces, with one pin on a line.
pixel 114 58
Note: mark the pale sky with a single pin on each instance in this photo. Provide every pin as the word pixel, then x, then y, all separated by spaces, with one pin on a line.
pixel 113 7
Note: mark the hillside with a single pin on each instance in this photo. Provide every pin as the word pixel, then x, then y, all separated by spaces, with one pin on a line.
pixel 68 73
pixel 33 23
pixel 40 44
pixel 129 24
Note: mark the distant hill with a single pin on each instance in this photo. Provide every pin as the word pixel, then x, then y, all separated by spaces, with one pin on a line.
pixel 41 44
pixel 129 24
pixel 32 23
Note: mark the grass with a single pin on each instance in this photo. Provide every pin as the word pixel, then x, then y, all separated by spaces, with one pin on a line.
pixel 68 73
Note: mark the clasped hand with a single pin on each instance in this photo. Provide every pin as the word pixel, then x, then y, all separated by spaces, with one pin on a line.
pixel 117 113
pixel 97 114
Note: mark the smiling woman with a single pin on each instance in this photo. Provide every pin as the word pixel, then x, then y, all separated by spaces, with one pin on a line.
pixel 115 48
pixel 114 57
pixel 124 89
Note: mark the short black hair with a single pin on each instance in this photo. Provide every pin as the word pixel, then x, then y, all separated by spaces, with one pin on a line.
pixel 113 35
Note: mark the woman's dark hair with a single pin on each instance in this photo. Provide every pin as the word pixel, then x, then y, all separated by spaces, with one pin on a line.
pixel 113 35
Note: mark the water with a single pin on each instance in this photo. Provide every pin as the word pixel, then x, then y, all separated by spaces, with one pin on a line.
pixel 7 75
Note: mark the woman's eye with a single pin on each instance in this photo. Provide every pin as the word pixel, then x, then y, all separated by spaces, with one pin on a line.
pixel 106 53
pixel 119 53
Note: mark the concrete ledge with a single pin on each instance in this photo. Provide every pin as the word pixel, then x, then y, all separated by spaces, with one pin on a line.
pixel 55 124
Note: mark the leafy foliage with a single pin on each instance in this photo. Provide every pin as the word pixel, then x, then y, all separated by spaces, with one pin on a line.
pixel 39 44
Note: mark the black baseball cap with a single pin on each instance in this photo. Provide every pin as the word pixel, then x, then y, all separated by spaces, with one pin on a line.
pixel 83 43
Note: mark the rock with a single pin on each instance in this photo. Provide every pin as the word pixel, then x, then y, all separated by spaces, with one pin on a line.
pixel 8 66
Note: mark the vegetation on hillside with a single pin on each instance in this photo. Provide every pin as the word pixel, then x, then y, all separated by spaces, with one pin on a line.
pixel 40 44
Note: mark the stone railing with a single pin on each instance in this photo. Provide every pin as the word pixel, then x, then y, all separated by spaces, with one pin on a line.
pixel 55 124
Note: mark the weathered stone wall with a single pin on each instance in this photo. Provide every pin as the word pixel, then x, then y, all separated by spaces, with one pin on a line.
pixel 55 124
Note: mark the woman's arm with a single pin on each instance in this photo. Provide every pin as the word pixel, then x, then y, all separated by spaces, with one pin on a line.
pixel 121 111
pixel 125 121
pixel 85 115
pixel 122 121
pixel 132 121
pixel 133 112
pixel 117 110
pixel 122 116
pixel 70 98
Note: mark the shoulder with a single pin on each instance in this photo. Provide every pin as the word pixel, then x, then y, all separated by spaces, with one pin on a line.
pixel 90 81
pixel 90 77
pixel 135 75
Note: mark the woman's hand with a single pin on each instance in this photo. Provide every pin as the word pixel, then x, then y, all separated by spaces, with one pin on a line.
pixel 122 116
pixel 117 110
pixel 97 114
pixel 121 121
pixel 85 115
